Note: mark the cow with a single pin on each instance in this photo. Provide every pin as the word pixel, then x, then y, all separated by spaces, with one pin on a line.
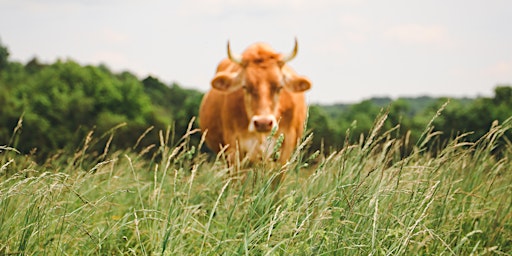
pixel 255 98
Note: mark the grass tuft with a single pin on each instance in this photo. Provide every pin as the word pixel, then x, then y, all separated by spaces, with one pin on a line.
pixel 367 198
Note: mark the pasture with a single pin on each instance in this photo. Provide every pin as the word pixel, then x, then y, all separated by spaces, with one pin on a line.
pixel 368 198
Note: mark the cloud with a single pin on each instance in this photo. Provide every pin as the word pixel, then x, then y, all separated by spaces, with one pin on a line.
pixel 227 7
pixel 331 47
pixel 419 34
pixel 112 36
pixel 356 28
pixel 354 21
pixel 111 57
pixel 501 70
pixel 40 7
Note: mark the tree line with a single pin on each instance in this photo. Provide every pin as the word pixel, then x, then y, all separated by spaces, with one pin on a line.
pixel 53 108
pixel 467 119
pixel 47 109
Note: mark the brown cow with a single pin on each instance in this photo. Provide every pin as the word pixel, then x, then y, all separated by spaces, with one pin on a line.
pixel 255 98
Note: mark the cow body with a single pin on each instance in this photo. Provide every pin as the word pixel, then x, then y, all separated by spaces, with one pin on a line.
pixel 254 99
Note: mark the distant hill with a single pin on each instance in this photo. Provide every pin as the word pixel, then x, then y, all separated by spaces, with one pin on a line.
pixel 416 104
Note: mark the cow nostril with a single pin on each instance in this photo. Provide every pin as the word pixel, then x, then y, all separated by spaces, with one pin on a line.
pixel 263 124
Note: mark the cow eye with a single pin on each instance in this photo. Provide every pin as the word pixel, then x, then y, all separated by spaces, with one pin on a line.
pixel 247 88
pixel 276 87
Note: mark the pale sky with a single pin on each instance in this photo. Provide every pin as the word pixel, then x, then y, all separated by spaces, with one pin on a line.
pixel 350 49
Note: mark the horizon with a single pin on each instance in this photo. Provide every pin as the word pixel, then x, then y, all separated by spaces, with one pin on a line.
pixel 351 50
pixel 170 83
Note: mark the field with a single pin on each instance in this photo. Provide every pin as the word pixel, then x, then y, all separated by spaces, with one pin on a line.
pixel 369 198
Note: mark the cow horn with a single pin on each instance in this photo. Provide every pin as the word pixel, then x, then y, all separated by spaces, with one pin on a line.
pixel 292 55
pixel 234 58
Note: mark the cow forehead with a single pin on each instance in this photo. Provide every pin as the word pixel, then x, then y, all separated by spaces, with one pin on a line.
pixel 262 67
pixel 263 76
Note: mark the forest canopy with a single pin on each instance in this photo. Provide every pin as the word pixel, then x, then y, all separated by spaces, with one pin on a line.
pixel 51 108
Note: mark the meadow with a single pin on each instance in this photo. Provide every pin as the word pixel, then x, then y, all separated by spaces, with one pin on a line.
pixel 383 195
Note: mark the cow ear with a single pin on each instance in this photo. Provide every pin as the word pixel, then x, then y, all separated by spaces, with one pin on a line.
pixel 299 84
pixel 222 81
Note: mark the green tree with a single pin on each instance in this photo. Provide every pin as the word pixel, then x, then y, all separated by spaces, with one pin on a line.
pixel 503 95
pixel 324 134
pixel 4 56
pixel 173 103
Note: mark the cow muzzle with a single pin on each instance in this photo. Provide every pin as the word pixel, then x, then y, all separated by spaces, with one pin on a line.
pixel 263 123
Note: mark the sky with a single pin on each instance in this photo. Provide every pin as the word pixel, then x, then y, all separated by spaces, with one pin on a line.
pixel 350 49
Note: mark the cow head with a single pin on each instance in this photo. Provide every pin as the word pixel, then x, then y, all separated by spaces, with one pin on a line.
pixel 263 76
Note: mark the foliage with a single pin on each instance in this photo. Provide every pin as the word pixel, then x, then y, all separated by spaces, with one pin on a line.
pixel 4 56
pixel 60 103
pixel 178 104
pixel 411 115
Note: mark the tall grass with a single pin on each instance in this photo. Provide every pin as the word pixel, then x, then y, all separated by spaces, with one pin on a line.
pixel 367 198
